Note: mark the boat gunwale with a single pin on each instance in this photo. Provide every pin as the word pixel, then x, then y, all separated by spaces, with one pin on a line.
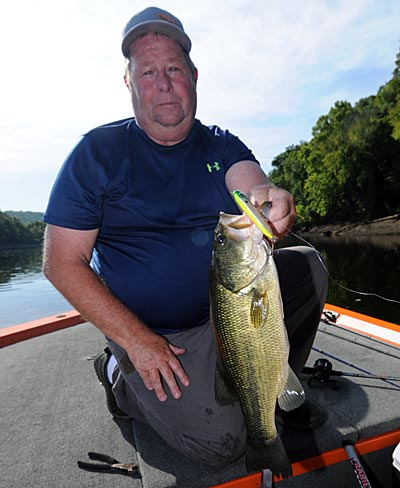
pixel 27 330
pixel 323 460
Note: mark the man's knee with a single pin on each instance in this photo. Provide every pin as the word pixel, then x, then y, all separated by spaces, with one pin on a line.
pixel 317 263
pixel 303 275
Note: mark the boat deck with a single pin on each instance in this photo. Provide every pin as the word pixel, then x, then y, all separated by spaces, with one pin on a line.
pixel 53 412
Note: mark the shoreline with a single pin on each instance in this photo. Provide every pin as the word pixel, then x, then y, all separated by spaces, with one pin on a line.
pixel 386 226
pixel 6 246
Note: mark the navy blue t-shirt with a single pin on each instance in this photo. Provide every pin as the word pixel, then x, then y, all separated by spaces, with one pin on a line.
pixel 156 208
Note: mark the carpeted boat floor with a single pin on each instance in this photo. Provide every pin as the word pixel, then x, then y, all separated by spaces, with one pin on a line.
pixel 53 412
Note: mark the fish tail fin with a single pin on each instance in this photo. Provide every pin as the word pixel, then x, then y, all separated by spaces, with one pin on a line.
pixel 292 395
pixel 270 454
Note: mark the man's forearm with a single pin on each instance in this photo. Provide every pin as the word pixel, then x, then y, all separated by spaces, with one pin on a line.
pixel 80 285
pixel 245 175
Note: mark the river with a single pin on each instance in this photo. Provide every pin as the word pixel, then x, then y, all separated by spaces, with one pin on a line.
pixel 25 294
pixel 364 264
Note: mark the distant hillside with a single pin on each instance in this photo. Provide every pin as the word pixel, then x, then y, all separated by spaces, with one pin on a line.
pixel 13 230
pixel 25 217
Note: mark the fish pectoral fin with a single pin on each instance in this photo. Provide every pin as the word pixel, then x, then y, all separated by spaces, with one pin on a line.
pixel 259 308
pixel 292 395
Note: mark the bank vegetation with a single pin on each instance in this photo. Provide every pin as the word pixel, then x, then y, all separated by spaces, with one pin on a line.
pixel 350 169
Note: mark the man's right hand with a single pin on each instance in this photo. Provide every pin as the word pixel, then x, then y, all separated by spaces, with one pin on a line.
pixel 155 359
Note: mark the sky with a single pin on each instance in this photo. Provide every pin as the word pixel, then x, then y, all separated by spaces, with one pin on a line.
pixel 268 69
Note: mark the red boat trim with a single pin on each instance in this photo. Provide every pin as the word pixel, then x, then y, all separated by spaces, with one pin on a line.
pixel 27 330
pixel 323 460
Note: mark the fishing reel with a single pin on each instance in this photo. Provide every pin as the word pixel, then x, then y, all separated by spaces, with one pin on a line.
pixel 321 372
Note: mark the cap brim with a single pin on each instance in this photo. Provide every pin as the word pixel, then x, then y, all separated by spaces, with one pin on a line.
pixel 160 27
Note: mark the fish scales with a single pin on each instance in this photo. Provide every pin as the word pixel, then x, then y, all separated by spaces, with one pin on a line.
pixel 259 343
pixel 251 336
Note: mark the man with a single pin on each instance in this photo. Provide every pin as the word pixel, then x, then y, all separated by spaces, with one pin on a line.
pixel 128 243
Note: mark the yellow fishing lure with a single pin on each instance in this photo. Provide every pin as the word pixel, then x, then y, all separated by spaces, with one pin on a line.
pixel 253 213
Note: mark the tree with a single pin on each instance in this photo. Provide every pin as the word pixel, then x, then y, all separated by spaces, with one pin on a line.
pixel 328 163
pixel 12 230
pixel 290 172
pixel 350 169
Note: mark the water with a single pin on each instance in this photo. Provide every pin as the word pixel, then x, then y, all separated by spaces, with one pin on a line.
pixel 366 264
pixel 25 294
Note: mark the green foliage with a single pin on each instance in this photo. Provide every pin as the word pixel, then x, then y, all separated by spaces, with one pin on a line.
pixel 25 216
pixel 12 230
pixel 350 169
pixel 394 119
pixel 36 229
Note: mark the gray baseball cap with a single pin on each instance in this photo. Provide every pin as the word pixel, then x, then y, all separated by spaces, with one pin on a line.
pixel 153 19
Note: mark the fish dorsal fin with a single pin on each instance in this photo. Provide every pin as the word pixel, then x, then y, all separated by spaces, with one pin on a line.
pixel 292 395
pixel 259 308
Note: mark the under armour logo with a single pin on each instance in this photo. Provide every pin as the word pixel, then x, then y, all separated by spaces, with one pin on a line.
pixel 211 167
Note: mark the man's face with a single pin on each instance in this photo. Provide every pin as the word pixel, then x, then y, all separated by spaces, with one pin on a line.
pixel 163 88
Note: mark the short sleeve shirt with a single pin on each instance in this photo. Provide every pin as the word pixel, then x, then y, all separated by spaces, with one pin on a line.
pixel 156 208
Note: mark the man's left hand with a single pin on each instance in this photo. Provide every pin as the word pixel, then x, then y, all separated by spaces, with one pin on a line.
pixel 282 212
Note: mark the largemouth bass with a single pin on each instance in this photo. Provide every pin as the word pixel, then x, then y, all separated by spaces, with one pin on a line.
pixel 247 315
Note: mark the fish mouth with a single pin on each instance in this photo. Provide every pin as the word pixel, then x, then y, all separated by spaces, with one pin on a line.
pixel 239 227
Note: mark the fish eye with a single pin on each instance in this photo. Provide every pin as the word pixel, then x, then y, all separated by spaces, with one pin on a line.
pixel 220 239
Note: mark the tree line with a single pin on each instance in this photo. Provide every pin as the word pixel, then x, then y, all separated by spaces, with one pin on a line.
pixel 350 169
pixel 13 230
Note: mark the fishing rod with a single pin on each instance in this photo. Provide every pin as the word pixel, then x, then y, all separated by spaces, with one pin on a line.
pixel 267 477
pixel 322 371
pixel 361 476
pixel 386 379
pixel 363 344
